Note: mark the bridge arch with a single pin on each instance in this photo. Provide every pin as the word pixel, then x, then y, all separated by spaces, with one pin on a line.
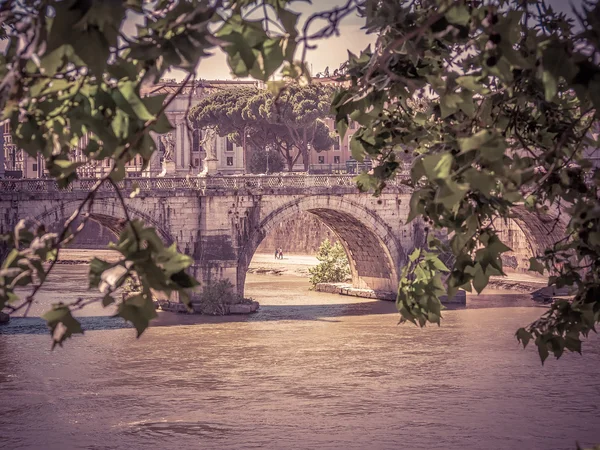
pixel 108 213
pixel 374 253
pixel 529 234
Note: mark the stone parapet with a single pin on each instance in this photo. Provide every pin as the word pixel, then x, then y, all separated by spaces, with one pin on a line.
pixel 217 185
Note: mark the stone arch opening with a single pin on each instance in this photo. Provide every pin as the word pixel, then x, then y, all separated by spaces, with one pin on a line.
pixel 528 234
pixel 373 252
pixel 106 222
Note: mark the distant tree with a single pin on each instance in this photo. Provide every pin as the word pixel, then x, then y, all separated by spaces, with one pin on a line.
pixel 263 162
pixel 290 122
pixel 333 266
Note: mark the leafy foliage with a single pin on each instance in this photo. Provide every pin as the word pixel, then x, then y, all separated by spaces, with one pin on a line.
pixel 497 102
pixel 333 266
pixel 265 161
pixel 71 75
pixel 288 122
pixel 420 287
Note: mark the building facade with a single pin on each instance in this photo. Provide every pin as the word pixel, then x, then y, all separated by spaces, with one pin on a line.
pixel 183 151
pixel 190 146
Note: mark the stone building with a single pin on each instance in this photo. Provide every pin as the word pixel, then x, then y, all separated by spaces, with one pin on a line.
pixel 186 156
pixel 190 147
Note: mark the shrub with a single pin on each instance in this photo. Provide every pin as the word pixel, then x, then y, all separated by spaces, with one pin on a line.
pixel 333 266
pixel 215 297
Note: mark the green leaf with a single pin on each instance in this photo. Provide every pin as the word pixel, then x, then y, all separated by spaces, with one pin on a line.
pixel 449 104
pixel 107 300
pixel 542 349
pixel 135 190
pixel 470 82
pixel 536 266
pixel 451 193
pixel 357 149
pixel 139 310
pixel 523 336
pixel 550 85
pixel 480 279
pixel 128 90
pixel 97 268
pixel 458 14
pixel 415 255
pixel 476 141
pixel 62 324
pixel 437 166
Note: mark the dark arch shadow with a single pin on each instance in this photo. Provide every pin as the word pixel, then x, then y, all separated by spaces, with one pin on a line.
pixel 373 251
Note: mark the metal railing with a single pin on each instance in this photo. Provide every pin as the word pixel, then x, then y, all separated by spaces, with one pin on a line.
pixel 191 183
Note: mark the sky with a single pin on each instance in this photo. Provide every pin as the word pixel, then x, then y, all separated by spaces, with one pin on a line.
pixel 329 52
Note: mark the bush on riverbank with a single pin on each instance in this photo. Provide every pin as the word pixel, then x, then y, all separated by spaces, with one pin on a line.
pixel 216 299
pixel 333 267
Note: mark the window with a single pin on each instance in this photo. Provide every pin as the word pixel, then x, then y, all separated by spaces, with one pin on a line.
pixel 349 139
pixel 336 159
pixel 321 160
pixel 34 167
pixel 228 146
pixel 196 139
pixel 196 162
pixel 230 160
pixel 336 144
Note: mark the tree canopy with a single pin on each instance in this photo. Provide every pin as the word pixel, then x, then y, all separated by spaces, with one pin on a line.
pixel 497 101
pixel 288 122
pixel 265 161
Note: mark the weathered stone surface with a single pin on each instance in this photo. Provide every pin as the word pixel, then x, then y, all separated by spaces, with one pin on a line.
pixel 301 234
pixel 346 289
pixel 4 318
pixel 243 308
pixel 221 221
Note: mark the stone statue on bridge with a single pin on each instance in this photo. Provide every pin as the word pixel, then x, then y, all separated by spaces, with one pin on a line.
pixel 209 143
pixel 169 144
pixel 168 163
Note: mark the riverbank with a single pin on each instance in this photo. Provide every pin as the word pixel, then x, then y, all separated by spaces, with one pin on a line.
pixel 298 265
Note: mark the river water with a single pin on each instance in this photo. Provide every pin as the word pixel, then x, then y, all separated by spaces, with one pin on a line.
pixel 308 371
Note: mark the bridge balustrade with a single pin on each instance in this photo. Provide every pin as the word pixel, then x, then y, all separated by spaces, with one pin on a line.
pixel 192 183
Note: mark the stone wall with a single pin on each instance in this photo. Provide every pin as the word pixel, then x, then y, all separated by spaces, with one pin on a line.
pixel 302 234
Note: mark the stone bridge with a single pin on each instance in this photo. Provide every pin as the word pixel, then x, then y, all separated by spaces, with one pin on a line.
pixel 220 221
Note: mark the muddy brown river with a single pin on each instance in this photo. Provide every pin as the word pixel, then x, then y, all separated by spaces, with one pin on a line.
pixel 308 371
